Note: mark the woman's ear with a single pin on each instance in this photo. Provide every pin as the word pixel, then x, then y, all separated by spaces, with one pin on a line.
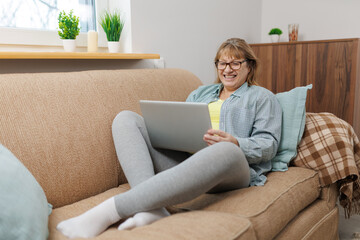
pixel 249 66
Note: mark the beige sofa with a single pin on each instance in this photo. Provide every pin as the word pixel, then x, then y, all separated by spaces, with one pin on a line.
pixel 59 126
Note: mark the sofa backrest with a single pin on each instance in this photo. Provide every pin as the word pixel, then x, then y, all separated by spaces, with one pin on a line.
pixel 59 124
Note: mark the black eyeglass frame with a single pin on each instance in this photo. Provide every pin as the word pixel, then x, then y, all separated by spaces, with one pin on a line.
pixel 229 64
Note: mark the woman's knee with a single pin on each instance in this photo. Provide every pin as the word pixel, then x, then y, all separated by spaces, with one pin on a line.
pixel 230 154
pixel 227 147
pixel 125 117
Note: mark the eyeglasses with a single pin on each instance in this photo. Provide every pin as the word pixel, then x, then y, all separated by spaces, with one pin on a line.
pixel 235 65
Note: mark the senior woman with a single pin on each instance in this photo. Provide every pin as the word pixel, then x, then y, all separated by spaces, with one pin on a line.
pixel 246 121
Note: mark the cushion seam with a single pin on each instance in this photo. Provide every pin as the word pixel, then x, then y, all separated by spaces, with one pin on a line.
pixel 279 196
pixel 243 230
pixel 318 223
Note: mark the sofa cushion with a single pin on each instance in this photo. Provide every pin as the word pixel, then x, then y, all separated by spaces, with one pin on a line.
pixel 188 225
pixel 307 222
pixel 23 204
pixel 269 207
pixel 191 225
pixel 293 124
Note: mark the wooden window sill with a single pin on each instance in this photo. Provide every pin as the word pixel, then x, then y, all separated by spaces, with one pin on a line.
pixel 76 55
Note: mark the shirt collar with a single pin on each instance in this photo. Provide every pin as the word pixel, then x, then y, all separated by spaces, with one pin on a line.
pixel 218 89
pixel 243 88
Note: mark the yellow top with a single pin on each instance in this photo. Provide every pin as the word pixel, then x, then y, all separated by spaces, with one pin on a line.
pixel 214 110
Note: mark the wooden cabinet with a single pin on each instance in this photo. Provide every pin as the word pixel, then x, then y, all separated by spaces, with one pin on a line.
pixel 332 66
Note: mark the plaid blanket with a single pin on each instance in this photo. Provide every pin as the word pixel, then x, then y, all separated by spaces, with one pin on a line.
pixel 331 147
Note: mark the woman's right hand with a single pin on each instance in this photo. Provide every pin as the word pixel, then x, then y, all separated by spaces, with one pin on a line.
pixel 213 136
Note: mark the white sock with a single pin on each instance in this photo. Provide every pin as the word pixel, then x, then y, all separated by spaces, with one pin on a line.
pixel 143 218
pixel 92 222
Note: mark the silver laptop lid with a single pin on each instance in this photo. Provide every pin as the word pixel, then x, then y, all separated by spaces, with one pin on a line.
pixel 176 125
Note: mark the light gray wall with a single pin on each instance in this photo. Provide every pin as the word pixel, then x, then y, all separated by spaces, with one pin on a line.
pixel 187 33
pixel 318 19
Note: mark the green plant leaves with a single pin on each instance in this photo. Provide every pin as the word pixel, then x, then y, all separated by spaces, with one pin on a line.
pixel 68 25
pixel 275 31
pixel 112 26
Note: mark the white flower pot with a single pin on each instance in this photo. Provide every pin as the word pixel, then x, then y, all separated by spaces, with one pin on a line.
pixel 275 38
pixel 113 47
pixel 69 45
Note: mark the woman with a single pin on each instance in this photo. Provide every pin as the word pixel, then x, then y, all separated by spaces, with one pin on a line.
pixel 246 133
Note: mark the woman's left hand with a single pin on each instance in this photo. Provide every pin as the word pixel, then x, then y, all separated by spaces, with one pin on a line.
pixel 214 136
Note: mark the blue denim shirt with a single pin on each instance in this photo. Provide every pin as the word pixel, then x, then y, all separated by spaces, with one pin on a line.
pixel 253 115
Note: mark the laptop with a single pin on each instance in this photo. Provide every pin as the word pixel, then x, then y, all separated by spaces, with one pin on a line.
pixel 176 125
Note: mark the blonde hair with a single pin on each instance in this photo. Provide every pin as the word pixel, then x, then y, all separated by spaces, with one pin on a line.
pixel 238 48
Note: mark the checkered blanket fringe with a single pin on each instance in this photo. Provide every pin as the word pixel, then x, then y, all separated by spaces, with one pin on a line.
pixel 350 203
pixel 331 147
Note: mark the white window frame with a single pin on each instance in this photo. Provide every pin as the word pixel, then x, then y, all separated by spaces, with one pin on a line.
pixel 33 37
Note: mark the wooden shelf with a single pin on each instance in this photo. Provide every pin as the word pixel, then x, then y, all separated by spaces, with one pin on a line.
pixel 75 55
pixel 304 42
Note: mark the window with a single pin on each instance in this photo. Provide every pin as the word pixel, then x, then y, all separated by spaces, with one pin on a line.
pixel 32 24
pixel 43 14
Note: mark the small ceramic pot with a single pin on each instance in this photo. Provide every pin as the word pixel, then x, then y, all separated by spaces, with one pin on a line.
pixel 113 47
pixel 275 38
pixel 69 45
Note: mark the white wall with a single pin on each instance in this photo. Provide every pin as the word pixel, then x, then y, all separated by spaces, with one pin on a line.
pixel 187 33
pixel 318 19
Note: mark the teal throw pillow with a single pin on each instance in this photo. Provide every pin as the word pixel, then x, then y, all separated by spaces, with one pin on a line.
pixel 293 125
pixel 24 207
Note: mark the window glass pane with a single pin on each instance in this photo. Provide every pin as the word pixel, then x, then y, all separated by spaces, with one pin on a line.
pixel 43 14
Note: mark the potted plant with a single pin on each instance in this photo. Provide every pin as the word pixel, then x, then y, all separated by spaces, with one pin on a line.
pixel 112 26
pixel 68 30
pixel 275 34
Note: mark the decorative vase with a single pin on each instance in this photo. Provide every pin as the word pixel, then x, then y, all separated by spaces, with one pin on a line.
pixel 293 32
pixel 275 38
pixel 113 47
pixel 92 41
pixel 69 45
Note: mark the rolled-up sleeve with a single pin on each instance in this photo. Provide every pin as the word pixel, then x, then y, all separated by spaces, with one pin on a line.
pixel 265 136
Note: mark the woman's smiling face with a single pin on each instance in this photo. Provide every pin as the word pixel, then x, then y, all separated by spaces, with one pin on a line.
pixel 230 78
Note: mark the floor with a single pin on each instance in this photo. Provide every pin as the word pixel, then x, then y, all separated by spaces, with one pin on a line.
pixel 347 227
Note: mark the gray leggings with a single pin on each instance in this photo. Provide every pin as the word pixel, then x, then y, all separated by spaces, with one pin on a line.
pixel 160 178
